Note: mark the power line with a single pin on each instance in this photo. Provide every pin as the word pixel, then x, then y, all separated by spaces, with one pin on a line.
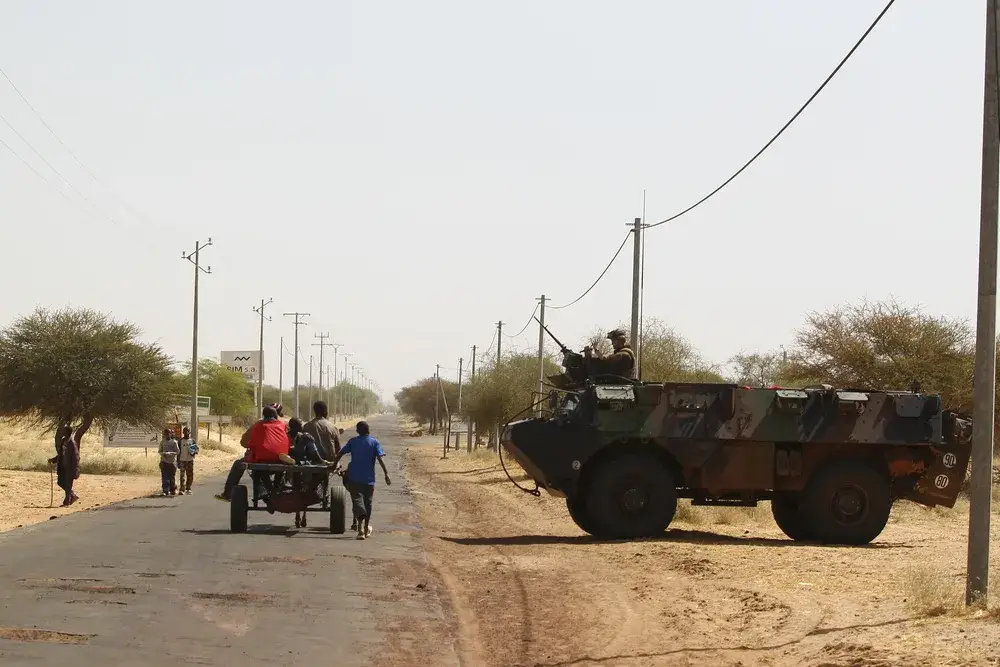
pixel 36 172
pixel 785 126
pixel 524 327
pixel 56 171
pixel 66 148
pixel 617 252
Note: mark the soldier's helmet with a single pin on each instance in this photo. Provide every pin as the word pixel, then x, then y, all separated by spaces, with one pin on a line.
pixel 617 333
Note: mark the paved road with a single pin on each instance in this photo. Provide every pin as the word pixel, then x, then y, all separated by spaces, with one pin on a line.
pixel 161 581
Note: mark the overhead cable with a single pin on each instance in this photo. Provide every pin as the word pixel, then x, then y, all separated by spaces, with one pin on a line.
pixel 785 126
pixel 617 252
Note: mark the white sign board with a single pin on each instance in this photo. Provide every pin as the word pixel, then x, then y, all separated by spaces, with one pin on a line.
pixel 182 407
pixel 131 436
pixel 244 362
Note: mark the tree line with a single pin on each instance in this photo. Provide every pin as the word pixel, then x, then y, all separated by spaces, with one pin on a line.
pixel 83 368
pixel 867 345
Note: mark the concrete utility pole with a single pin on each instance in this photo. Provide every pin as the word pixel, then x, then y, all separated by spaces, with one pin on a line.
pixel 636 273
pixel 983 390
pixel 194 258
pixel 541 354
pixel 340 394
pixel 296 321
pixel 472 376
pixel 323 344
pixel 281 371
pixel 260 371
pixel 499 339
pixel 310 401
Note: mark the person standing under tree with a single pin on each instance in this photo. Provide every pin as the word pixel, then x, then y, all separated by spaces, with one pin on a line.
pixel 67 462
pixel 188 451
pixel 168 452
pixel 365 451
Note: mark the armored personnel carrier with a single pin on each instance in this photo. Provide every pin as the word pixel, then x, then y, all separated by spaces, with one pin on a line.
pixel 831 461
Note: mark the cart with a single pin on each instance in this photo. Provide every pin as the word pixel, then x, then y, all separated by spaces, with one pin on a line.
pixel 288 489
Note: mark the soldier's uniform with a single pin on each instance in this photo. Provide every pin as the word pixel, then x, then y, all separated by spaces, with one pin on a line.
pixel 621 362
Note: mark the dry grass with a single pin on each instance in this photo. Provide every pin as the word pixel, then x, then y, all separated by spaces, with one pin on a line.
pixel 723 516
pixel 22 450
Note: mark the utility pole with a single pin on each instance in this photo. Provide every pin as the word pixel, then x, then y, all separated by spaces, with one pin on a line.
pixel 341 397
pixel 311 394
pixel 336 346
pixel 260 371
pixel 541 354
pixel 194 258
pixel 983 388
pixel 499 339
pixel 459 400
pixel 322 344
pixel 281 371
pixel 437 387
pixel 636 272
pixel 296 321
pixel 472 376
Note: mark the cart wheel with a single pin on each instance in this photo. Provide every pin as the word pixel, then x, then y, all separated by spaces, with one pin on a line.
pixel 338 511
pixel 239 510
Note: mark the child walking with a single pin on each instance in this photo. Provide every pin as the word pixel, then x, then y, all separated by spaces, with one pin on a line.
pixel 168 463
pixel 188 451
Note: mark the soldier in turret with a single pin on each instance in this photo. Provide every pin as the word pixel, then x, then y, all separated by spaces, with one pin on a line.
pixel 621 362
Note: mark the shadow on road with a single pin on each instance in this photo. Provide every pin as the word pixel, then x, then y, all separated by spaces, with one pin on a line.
pixel 686 536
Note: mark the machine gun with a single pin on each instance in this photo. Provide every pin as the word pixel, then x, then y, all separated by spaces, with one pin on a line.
pixel 576 364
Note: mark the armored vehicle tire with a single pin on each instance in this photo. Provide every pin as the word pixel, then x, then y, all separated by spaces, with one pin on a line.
pixel 846 503
pixel 630 496
pixel 239 506
pixel 338 510
pixel 578 512
pixel 785 510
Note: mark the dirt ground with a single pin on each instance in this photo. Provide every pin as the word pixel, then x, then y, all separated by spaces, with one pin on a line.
pixel 25 496
pixel 720 588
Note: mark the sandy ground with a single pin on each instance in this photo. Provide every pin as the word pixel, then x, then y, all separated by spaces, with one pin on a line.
pixel 529 588
pixel 25 496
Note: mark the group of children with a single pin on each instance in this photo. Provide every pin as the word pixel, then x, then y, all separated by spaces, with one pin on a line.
pixel 177 454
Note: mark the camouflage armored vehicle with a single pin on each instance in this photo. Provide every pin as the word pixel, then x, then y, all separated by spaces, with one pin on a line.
pixel 831 461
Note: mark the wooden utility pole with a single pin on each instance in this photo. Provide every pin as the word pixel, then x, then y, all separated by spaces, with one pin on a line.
pixel 472 376
pixel 437 391
pixel 983 390
pixel 459 408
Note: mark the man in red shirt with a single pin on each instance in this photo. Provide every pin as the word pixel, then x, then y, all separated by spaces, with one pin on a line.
pixel 265 441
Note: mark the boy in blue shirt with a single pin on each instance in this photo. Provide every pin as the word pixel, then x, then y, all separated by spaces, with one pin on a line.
pixel 365 451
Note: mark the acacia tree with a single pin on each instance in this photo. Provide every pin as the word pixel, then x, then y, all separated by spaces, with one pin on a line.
pixel 757 369
pixel 231 394
pixel 887 345
pixel 79 367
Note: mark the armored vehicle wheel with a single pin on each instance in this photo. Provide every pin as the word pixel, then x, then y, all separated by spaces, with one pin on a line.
pixel 239 506
pixel 846 503
pixel 578 512
pixel 631 496
pixel 338 508
pixel 785 509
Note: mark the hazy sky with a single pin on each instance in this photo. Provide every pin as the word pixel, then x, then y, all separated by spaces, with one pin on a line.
pixel 411 172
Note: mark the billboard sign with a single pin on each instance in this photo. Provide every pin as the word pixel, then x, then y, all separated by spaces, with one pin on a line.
pixel 244 362
pixel 122 435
